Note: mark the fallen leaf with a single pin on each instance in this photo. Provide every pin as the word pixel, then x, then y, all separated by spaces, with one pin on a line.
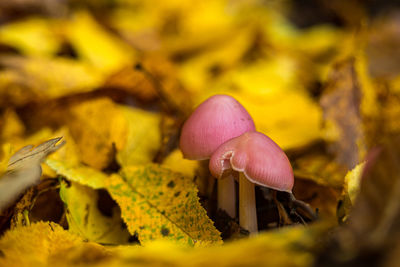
pixel 32 36
pixel 143 137
pixel 11 126
pixel 291 246
pixel 47 244
pixel 341 102
pixel 95 45
pixel 177 163
pixel 351 190
pixel 154 202
pixel 95 131
pixel 39 203
pixel 86 220
pixel 38 244
pixel 6 153
pixel 201 70
pixel 319 167
pixel 157 203
pixel 322 199
pixel 373 223
pixel 78 173
pixel 24 170
pixel 27 79
pixel 133 81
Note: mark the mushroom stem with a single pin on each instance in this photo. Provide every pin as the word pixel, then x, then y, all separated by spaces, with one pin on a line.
pixel 247 205
pixel 227 195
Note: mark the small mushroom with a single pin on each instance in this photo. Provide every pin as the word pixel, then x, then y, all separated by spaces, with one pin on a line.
pixel 259 160
pixel 215 121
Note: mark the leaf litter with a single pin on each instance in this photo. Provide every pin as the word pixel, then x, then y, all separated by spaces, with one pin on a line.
pixel 118 79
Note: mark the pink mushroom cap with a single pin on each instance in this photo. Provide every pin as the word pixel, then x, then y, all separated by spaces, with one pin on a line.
pixel 260 159
pixel 215 121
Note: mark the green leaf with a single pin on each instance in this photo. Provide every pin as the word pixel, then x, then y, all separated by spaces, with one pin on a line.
pixel 157 203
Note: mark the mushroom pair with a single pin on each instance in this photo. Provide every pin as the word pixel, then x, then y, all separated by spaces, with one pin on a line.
pixel 220 129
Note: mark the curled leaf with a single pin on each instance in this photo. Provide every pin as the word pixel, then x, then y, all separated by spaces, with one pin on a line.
pixel 24 170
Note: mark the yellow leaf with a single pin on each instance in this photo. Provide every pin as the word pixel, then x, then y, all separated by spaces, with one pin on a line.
pixel 12 126
pixel 177 163
pixel 264 78
pixel 7 151
pixel 291 246
pixel 47 244
pixel 287 126
pixel 95 126
pixel 317 40
pixel 86 220
pixel 134 132
pixel 30 78
pixel 198 72
pixel 141 31
pixel 78 173
pixel 157 203
pixel 143 137
pixel 39 243
pixel 69 152
pixel 32 36
pixel 350 191
pixel 352 182
pixel 369 103
pixel 96 46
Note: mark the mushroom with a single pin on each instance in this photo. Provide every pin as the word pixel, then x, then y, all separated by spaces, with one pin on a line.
pixel 215 121
pixel 259 160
